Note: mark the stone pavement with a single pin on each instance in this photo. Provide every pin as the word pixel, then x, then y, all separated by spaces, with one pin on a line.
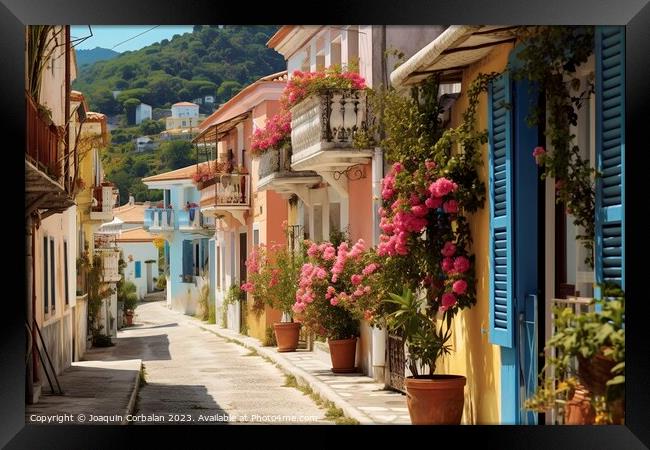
pixel 360 396
pixel 197 377
pixel 96 392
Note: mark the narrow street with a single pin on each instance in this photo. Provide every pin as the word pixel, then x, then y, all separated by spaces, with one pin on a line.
pixel 193 375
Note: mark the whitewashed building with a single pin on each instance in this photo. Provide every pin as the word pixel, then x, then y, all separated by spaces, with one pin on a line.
pixel 142 112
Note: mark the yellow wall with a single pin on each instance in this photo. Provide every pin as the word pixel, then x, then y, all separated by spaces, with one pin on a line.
pixel 473 356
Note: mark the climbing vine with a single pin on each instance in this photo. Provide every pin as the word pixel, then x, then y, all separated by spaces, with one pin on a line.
pixel 549 58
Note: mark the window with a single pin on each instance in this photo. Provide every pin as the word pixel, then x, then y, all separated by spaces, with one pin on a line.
pixel 184 123
pixel 65 266
pixel 187 261
pixel 52 275
pixel 256 235
pixel 138 269
pixel 46 274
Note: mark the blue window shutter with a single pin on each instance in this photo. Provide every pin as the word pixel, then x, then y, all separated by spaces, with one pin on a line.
pixel 501 211
pixel 610 156
pixel 138 269
pixel 188 258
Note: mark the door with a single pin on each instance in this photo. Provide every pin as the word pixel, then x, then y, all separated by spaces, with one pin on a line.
pixel 149 277
pixel 514 241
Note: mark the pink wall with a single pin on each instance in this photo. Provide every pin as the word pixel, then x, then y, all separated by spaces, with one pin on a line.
pixel 360 207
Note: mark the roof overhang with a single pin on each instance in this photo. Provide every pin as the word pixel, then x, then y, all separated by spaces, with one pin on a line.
pixel 291 38
pixel 217 131
pixel 456 48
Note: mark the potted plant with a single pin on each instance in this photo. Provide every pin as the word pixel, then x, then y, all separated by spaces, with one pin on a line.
pixel 327 288
pixel 272 278
pixel 126 293
pixel 583 376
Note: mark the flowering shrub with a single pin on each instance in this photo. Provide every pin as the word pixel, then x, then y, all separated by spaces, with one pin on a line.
pixel 206 173
pixel 303 84
pixel 276 134
pixel 421 219
pixel 333 289
pixel 273 276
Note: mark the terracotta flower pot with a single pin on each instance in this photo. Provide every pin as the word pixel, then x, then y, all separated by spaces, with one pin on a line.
pixel 436 400
pixel 595 372
pixel 343 353
pixel 579 410
pixel 129 317
pixel 286 334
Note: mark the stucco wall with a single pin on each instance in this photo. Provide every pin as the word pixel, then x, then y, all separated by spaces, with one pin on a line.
pixel 140 251
pixel 474 356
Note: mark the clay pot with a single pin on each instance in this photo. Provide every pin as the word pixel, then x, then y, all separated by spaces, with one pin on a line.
pixel 286 335
pixel 343 353
pixel 129 317
pixel 595 372
pixel 435 400
pixel 579 410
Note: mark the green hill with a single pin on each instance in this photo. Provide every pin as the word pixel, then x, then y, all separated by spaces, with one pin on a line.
pixel 87 57
pixel 209 61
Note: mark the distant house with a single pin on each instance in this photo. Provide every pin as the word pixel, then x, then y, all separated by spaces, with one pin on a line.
pixel 208 99
pixel 142 112
pixel 115 94
pixel 185 115
pixel 198 101
pixel 143 143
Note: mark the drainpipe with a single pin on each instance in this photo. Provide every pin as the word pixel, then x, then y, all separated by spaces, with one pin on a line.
pixel 66 169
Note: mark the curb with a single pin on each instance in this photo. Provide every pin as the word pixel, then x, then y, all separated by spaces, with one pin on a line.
pixel 302 377
pixel 134 395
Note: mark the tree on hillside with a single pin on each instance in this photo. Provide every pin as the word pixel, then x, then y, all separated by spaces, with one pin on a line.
pixel 149 127
pixel 177 154
pixel 227 90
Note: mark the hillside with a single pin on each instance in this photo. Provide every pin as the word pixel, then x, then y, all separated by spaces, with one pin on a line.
pixel 87 57
pixel 209 61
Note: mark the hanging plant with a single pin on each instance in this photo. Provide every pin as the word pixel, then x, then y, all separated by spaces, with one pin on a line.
pixel 549 59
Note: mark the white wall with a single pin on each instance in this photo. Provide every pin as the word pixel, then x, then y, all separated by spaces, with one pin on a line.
pixel 140 251
pixel 185 111
pixel 142 112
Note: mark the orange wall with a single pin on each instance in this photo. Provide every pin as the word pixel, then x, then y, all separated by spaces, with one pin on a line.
pixel 360 207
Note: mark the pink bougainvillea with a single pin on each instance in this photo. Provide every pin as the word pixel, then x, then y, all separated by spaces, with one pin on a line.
pixel 275 134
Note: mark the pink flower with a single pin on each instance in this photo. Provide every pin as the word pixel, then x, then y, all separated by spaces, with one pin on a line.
pixel 430 165
pixel 448 300
pixel 442 186
pixel 538 154
pixel 367 315
pixel 366 289
pixel 449 249
pixel 370 268
pixel 459 287
pixel 451 207
pixel 329 253
pixel 298 307
pixel 356 279
pixel 447 265
pixel 461 264
pixel 398 167
pixel 419 210
pixel 320 273
pixel 313 250
pixel 334 301
pixel 433 202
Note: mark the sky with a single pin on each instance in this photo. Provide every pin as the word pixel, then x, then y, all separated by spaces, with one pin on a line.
pixel 109 36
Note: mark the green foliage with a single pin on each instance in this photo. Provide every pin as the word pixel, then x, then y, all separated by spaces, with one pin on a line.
pixel 162 282
pixel 176 154
pixel 126 293
pixel 549 58
pixel 149 127
pixel 269 338
pixel 195 64
pixel 584 335
pixel 212 313
pixel 410 319
pixel 204 303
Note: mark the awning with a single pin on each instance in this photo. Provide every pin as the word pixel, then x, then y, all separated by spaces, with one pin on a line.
pixel 456 48
pixel 213 133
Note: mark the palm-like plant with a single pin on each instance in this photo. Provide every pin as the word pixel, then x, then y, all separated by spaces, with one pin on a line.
pixel 425 344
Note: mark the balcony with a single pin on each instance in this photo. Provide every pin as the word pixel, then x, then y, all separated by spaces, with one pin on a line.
pixel 229 195
pixel 105 198
pixel 275 173
pixel 194 220
pixel 158 220
pixel 110 265
pixel 44 184
pixel 322 130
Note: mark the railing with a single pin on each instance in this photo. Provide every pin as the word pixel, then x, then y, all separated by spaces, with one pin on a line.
pixel 191 218
pixel 579 305
pixel 329 119
pixel 275 161
pixel 230 189
pixel 158 219
pixel 110 264
pixel 43 141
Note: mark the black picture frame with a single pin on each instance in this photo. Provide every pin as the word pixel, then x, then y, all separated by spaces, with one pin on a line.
pixel 634 14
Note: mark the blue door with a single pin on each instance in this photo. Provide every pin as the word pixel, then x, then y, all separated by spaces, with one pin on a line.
pixel 513 187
